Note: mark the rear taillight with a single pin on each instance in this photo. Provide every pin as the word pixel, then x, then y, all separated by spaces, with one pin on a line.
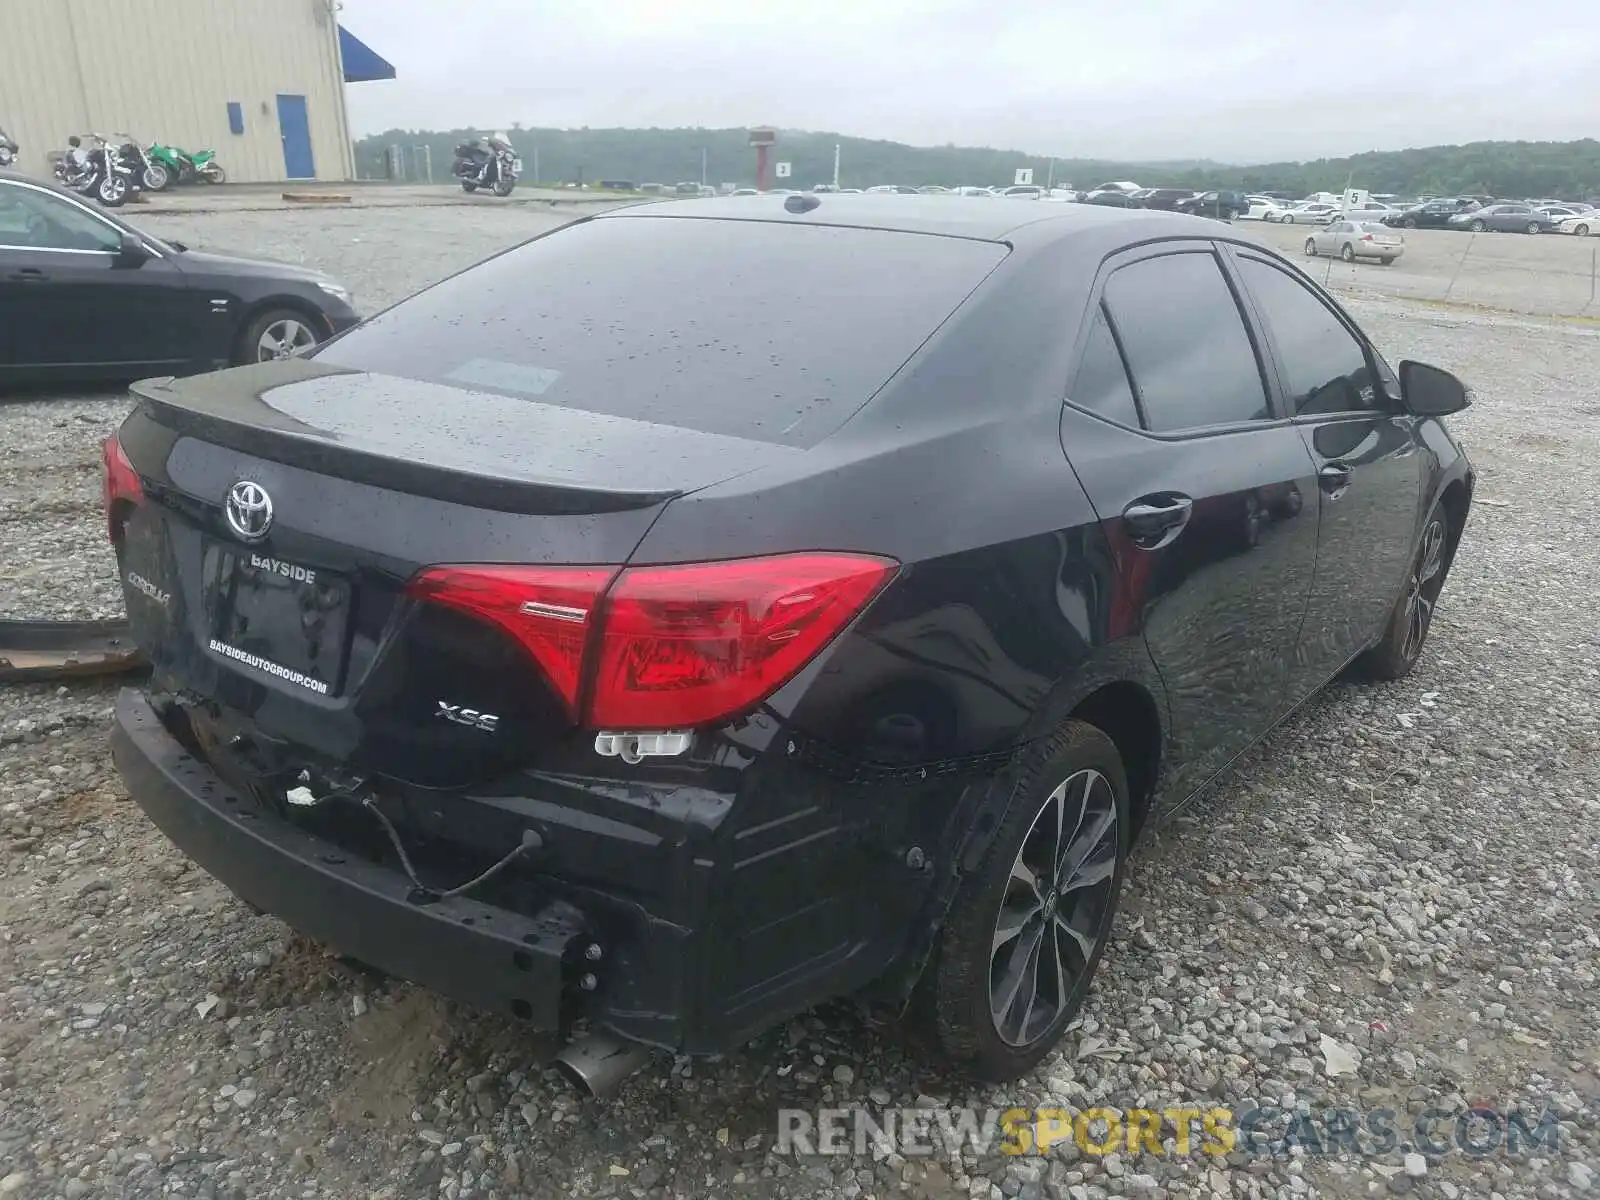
pixel 1366 237
pixel 549 610
pixel 685 645
pixel 119 485
pixel 667 647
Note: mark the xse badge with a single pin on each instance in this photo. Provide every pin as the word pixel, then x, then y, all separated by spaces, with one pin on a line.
pixel 470 717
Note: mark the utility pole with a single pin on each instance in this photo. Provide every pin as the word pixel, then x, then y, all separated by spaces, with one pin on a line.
pixel 836 166
pixel 702 166
pixel 536 164
pixel 1050 183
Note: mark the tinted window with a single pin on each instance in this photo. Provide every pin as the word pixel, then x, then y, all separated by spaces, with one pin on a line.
pixel 1101 385
pixel 1186 344
pixel 766 330
pixel 1325 368
pixel 33 218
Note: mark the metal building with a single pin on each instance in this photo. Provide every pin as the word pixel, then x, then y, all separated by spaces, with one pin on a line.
pixel 259 81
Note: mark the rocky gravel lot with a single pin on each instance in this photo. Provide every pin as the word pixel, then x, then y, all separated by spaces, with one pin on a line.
pixel 1393 903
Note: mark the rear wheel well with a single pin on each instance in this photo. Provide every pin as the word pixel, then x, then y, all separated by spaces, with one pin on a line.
pixel 1127 714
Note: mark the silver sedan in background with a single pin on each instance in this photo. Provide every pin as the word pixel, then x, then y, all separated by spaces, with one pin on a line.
pixel 1351 240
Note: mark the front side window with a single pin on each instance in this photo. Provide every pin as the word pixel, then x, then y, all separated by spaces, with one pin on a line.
pixel 1325 368
pixel 1187 349
pixel 34 219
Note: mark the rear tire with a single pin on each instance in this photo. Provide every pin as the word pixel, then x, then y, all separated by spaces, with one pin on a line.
pixel 157 178
pixel 1029 924
pixel 1409 223
pixel 1311 247
pixel 1412 618
pixel 213 174
pixel 1581 230
pixel 468 186
pixel 1533 227
pixel 1348 253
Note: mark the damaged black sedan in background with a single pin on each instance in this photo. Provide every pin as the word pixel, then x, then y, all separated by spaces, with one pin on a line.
pixel 708 609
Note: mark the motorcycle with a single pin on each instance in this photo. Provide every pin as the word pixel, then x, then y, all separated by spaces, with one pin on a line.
pixel 183 167
pixel 101 171
pixel 487 162
pixel 8 150
pixel 152 175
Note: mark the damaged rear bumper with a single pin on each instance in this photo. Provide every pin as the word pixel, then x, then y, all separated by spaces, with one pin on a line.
pixel 482 955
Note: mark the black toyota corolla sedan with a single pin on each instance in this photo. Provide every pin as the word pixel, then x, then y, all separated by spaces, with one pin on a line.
pixel 708 609
pixel 86 296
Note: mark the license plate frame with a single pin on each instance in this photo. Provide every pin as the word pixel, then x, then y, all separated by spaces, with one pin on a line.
pixel 288 620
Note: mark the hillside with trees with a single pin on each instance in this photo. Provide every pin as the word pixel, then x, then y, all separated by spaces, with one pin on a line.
pixel 1560 169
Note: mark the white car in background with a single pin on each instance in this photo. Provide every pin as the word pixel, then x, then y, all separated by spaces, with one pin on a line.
pixel 1351 240
pixel 1258 207
pixel 1303 213
pixel 1584 224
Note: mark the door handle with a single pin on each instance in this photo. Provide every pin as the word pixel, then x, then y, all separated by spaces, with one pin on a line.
pixel 28 275
pixel 1153 521
pixel 1334 477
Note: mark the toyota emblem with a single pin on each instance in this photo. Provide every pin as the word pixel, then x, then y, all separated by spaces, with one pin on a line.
pixel 249 510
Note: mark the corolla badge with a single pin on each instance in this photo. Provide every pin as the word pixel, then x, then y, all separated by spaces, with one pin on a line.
pixel 249 510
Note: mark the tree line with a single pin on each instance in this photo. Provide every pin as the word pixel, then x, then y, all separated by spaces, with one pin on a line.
pixel 1568 170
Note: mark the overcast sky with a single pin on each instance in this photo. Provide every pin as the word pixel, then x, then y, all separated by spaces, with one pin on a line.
pixel 1134 79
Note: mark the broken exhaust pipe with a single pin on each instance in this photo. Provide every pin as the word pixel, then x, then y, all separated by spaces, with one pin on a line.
pixel 598 1063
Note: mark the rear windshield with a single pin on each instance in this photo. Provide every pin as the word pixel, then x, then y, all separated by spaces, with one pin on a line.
pixel 773 331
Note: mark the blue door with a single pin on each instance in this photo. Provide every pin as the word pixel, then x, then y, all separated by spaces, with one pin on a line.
pixel 296 132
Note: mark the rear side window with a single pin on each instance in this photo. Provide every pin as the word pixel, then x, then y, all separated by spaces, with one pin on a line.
pixel 1191 359
pixel 1101 385
pixel 1325 368
pixel 773 331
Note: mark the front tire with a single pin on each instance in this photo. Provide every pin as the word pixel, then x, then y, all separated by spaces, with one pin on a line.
pixel 278 333
pixel 112 191
pixel 1581 230
pixel 1407 632
pixel 1477 227
pixel 503 186
pixel 1533 227
pixel 1028 925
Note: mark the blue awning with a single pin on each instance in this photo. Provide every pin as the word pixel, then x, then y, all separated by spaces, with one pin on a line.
pixel 361 61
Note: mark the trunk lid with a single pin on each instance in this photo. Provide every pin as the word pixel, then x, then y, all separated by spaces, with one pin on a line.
pixel 291 613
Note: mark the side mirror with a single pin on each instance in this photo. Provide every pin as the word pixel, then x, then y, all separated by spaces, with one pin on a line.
pixel 1429 392
pixel 132 252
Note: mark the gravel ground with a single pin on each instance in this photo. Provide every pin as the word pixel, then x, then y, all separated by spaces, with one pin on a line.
pixel 1409 870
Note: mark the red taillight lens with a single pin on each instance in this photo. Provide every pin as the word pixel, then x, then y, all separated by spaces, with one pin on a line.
pixel 671 646
pixel 1366 237
pixel 686 645
pixel 119 484
pixel 548 610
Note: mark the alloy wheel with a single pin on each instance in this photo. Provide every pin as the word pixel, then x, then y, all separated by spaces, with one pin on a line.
pixel 283 339
pixel 1054 908
pixel 1422 589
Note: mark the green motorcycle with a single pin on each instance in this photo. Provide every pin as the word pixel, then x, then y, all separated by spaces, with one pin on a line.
pixel 183 167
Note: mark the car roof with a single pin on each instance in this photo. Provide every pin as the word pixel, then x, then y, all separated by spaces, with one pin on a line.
pixel 943 216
